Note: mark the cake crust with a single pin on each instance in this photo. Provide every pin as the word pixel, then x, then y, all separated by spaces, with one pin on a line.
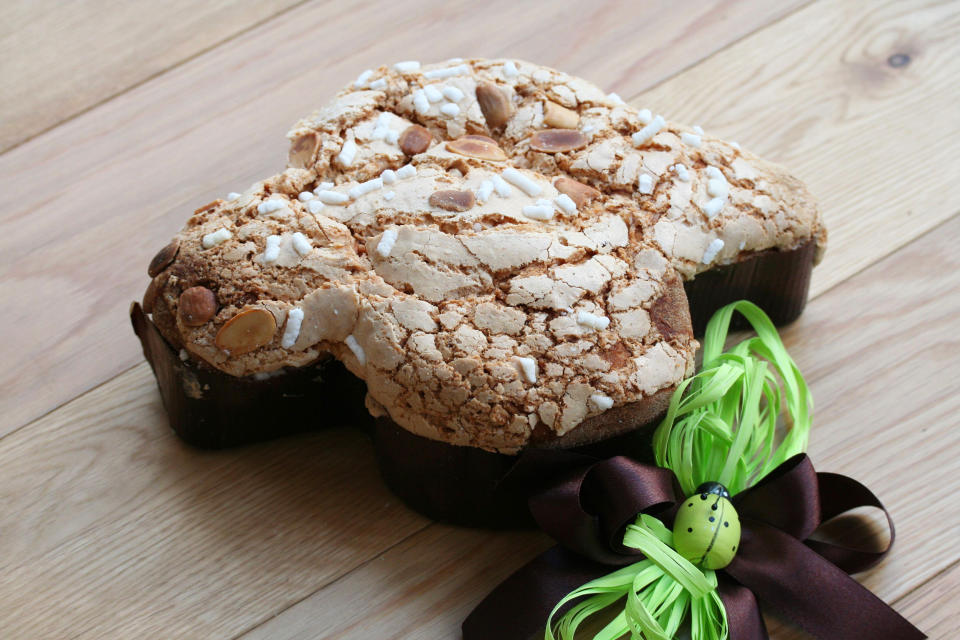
pixel 496 248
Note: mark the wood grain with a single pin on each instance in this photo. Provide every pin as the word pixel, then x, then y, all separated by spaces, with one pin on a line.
pixel 84 206
pixel 422 588
pixel 60 58
pixel 937 603
pixel 820 93
pixel 873 421
pixel 111 527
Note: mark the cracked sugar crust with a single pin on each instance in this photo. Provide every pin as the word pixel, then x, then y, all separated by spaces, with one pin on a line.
pixel 502 314
pixel 482 327
pixel 705 202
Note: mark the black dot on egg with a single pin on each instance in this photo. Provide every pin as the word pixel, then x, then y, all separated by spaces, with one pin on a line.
pixel 734 547
pixel 714 507
pixel 690 505
pixel 689 529
pixel 703 496
pixel 712 518
pixel 726 524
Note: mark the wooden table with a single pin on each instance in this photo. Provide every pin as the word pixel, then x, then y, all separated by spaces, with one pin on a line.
pixel 118 118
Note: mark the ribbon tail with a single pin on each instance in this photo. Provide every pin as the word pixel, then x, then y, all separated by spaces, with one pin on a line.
pixel 811 591
pixel 518 608
pixel 743 611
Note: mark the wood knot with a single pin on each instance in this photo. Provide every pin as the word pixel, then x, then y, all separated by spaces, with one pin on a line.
pixel 898 60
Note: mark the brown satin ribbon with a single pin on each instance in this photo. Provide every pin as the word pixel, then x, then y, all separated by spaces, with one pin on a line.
pixel 590 503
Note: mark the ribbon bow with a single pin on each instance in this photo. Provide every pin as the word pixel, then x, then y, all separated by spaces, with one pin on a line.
pixel 588 506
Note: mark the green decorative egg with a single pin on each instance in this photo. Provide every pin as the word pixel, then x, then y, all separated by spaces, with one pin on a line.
pixel 706 530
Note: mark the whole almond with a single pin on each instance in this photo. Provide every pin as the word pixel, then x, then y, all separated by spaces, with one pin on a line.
pixel 580 193
pixel 452 200
pixel 494 105
pixel 559 117
pixel 557 140
pixel 246 331
pixel 414 139
pixel 163 258
pixel 474 146
pixel 303 150
pixel 197 306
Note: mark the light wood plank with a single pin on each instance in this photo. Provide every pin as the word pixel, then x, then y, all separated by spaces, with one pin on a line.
pixel 420 589
pixel 60 58
pixel 819 94
pixel 937 603
pixel 84 206
pixel 129 533
pixel 886 387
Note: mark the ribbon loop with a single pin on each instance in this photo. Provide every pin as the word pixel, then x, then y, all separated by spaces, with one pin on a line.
pixel 840 494
pixel 587 509
pixel 788 498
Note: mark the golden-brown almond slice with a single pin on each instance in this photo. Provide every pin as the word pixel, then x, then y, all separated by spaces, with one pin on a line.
pixel 474 146
pixel 303 150
pixel 458 167
pixel 414 139
pixel 557 140
pixel 559 117
pixel 452 200
pixel 197 306
pixel 163 258
pixel 207 207
pixel 494 105
pixel 580 193
pixel 246 331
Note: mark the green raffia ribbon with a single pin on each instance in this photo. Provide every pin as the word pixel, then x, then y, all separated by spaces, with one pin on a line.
pixel 721 426
pixel 661 592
